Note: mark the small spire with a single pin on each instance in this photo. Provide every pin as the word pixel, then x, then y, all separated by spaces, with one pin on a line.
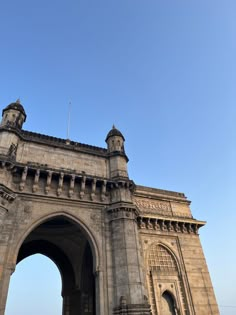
pixel 18 101
pixel 113 127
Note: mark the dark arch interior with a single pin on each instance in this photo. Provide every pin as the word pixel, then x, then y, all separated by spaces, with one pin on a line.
pixel 168 304
pixel 65 244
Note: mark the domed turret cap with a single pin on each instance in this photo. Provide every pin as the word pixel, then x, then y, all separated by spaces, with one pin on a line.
pixel 17 106
pixel 114 132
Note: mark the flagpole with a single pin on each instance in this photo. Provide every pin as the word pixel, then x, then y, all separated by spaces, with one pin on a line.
pixel 68 123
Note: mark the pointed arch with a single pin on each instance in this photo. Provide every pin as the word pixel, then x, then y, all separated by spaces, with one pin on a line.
pixel 161 258
pixel 69 243
pixel 67 216
pixel 168 303
pixel 55 254
pixel 166 285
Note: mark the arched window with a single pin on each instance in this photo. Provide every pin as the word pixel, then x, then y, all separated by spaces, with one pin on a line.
pixel 167 304
pixel 165 283
pixel 161 260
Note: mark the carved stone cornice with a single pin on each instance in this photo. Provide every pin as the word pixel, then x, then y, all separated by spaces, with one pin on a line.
pixel 161 194
pixel 39 179
pixel 169 225
pixel 59 183
pixel 53 141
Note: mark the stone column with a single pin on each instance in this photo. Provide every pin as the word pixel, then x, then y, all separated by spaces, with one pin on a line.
pixel 128 276
pixel 5 275
pixel 99 293
pixel 72 303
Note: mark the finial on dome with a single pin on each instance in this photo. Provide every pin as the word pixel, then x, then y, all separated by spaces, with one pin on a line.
pixel 114 132
pixel 18 101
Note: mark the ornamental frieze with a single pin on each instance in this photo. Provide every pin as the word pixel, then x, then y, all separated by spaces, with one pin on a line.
pixel 168 225
pixel 153 206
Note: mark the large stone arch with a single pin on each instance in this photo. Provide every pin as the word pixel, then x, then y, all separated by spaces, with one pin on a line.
pixel 42 177
pixel 69 243
pixel 56 255
pixel 38 221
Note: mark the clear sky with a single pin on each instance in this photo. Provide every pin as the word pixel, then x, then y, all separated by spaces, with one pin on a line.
pixel 164 72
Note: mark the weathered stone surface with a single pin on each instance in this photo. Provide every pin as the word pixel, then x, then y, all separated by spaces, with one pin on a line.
pixel 120 248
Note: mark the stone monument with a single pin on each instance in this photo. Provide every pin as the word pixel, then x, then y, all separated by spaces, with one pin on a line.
pixel 121 248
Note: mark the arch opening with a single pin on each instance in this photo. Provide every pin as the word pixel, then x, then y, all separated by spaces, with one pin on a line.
pixel 168 304
pixel 65 243
pixel 26 296
pixel 165 273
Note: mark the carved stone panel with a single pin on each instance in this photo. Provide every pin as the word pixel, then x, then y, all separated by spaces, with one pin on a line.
pixel 181 210
pixel 151 206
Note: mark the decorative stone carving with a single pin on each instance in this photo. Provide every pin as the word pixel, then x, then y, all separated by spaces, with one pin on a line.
pixel 36 181
pixel 83 211
pixel 157 225
pixel 5 199
pixel 12 151
pixel 166 225
pixel 60 184
pixel 96 221
pixel 49 180
pixel 82 189
pixel 104 189
pixel 24 211
pixel 92 196
pixel 72 186
pixel 153 206
pixel 23 178
pixel 122 212
pixel 149 224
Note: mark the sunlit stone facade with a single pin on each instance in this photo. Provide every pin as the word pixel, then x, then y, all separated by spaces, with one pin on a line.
pixel 121 248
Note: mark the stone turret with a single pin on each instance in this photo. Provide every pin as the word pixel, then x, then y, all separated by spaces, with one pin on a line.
pixel 129 297
pixel 118 159
pixel 13 115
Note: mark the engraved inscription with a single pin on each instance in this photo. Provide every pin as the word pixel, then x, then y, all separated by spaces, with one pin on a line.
pixel 153 206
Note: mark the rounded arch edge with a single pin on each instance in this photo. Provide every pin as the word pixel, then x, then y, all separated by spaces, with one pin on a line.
pixel 169 250
pixel 69 217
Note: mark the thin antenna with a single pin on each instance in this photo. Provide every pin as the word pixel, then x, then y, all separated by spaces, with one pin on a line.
pixel 68 124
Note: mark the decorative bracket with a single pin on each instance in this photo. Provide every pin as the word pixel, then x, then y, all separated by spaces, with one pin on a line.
pixel 6 197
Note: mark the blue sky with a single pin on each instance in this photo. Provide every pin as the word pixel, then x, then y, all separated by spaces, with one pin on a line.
pixel 164 72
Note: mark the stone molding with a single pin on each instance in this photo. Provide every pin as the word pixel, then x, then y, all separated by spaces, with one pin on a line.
pixel 142 191
pixel 169 225
pixel 53 141
pixel 122 211
pixel 93 188
pixel 64 176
